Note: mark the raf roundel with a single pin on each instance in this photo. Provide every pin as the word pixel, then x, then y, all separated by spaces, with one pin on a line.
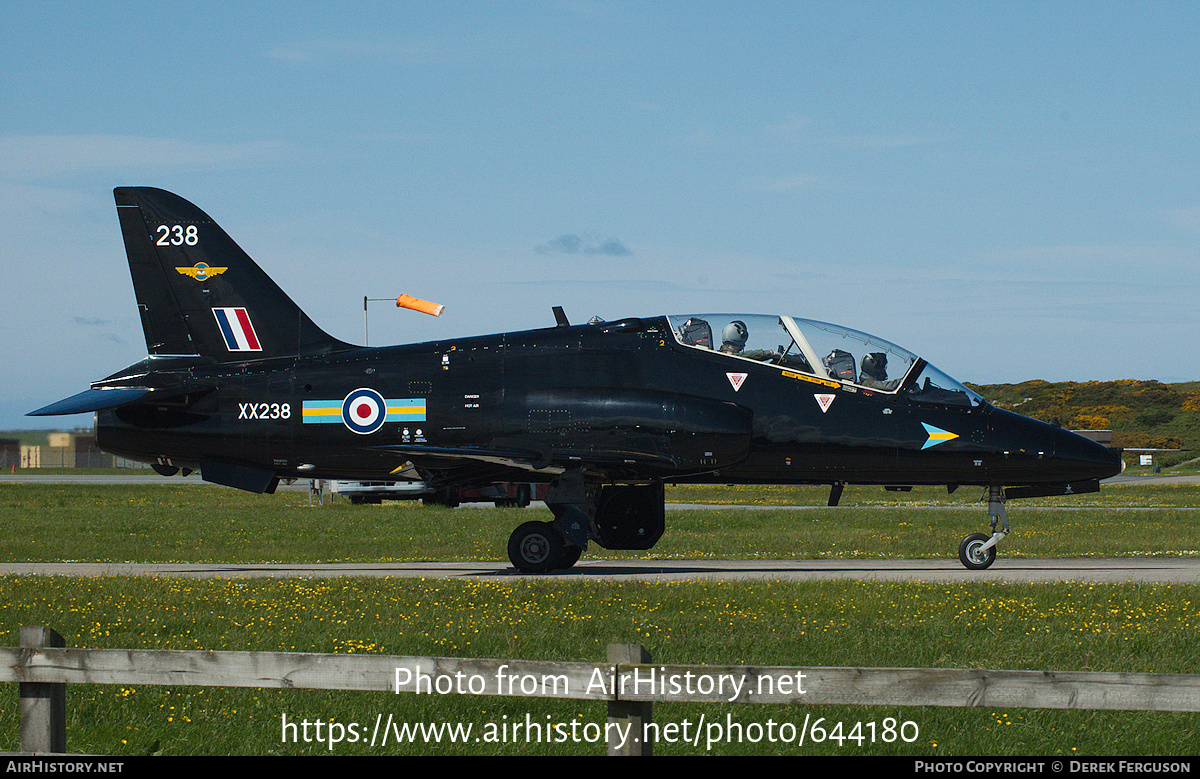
pixel 364 411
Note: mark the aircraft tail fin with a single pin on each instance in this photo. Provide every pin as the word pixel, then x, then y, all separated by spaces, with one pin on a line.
pixel 199 293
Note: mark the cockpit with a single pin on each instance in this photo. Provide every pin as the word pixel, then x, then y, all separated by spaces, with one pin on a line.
pixel 823 351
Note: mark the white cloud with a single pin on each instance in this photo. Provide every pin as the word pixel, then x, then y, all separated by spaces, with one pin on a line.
pixel 884 141
pixel 1186 219
pixel 584 244
pixel 319 52
pixel 785 184
pixel 789 129
pixel 37 156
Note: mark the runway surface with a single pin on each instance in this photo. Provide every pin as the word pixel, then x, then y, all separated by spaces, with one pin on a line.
pixel 1173 570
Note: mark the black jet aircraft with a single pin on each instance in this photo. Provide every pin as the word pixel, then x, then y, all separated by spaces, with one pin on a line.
pixel 240 385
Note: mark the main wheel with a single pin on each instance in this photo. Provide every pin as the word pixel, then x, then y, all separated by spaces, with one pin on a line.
pixel 570 556
pixel 536 547
pixel 972 556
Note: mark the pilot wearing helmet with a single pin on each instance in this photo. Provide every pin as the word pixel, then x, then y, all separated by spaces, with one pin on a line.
pixel 874 372
pixel 733 341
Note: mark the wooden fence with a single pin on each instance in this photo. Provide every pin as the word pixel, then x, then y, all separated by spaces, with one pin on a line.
pixel 628 682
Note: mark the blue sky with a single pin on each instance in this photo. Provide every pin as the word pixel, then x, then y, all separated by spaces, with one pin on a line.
pixel 1011 190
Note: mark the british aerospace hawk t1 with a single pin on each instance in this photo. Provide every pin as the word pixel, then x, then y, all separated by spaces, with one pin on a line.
pixel 240 385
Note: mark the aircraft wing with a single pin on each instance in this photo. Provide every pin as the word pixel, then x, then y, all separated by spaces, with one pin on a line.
pixel 93 400
pixel 536 458
pixel 101 398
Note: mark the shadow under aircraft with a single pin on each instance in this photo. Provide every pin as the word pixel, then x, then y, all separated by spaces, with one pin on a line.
pixel 240 385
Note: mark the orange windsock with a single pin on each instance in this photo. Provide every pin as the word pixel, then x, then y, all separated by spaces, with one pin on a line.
pixel 416 304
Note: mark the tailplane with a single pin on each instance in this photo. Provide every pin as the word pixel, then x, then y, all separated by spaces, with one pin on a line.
pixel 199 293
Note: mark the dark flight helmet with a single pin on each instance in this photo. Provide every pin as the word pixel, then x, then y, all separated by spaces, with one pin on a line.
pixel 874 365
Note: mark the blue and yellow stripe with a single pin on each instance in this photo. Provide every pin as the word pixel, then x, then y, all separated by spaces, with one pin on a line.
pixel 325 412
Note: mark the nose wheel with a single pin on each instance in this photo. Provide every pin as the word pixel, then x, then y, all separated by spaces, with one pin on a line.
pixel 978 550
pixel 973 555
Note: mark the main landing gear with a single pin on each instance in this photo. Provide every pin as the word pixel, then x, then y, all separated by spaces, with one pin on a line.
pixel 978 551
pixel 538 547
pixel 541 547
pixel 615 516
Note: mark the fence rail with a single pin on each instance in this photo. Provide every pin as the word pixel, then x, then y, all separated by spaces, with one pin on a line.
pixel 628 682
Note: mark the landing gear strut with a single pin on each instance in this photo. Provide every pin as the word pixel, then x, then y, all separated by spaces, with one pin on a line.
pixel 977 551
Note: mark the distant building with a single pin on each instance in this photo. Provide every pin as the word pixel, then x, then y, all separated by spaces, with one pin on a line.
pixel 66 450
pixel 1099 436
pixel 10 453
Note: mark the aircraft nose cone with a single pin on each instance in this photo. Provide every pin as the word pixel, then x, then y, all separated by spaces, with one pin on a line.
pixel 1087 458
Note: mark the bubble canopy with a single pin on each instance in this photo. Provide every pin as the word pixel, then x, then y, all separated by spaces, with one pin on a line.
pixel 825 351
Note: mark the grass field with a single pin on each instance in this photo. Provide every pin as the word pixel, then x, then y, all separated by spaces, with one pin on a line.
pixel 201 523
pixel 1137 628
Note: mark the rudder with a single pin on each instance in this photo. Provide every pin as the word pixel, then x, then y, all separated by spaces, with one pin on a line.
pixel 197 291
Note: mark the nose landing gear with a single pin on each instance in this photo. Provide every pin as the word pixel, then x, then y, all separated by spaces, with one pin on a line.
pixel 977 551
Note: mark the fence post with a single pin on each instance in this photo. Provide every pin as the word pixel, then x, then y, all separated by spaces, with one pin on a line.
pixel 43 705
pixel 629 717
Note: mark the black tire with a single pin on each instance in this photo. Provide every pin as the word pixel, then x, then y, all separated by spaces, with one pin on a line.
pixel 970 556
pixel 523 496
pixel 447 498
pixel 570 556
pixel 536 547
